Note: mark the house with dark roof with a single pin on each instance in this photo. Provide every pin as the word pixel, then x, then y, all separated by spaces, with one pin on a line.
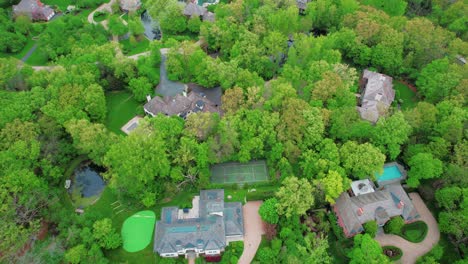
pixel 181 105
pixel 34 9
pixel 204 230
pixel 376 96
pixel 364 203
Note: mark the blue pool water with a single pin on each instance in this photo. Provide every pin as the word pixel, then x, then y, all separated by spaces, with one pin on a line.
pixel 390 173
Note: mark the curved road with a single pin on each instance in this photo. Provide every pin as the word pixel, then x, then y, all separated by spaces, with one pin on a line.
pixel 412 251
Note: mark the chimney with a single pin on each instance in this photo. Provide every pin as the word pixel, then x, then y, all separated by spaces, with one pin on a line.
pixel 360 211
pixel 400 204
pixel 148 98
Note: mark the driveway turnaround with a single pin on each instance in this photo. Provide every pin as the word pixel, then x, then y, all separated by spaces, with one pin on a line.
pixel 412 251
pixel 253 231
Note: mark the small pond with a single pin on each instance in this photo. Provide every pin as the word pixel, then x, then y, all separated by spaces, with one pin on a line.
pixel 87 184
pixel 152 29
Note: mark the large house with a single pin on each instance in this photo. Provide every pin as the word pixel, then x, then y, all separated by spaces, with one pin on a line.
pixel 34 9
pixel 130 5
pixel 377 95
pixel 181 105
pixel 364 203
pixel 192 9
pixel 204 230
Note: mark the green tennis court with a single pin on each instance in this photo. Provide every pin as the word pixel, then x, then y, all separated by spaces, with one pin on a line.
pixel 235 172
pixel 137 231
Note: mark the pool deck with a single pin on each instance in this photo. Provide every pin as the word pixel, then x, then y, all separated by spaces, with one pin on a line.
pixel 131 125
pixel 399 179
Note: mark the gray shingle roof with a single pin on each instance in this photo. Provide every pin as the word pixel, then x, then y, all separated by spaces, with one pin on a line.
pixel 180 105
pixel 377 95
pixel 380 205
pixel 35 9
pixel 130 5
pixel 208 232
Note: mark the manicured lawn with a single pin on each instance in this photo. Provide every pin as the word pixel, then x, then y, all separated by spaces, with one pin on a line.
pixel 414 232
pixel 121 107
pixel 132 49
pixel 100 16
pixel 404 93
pixel 62 4
pixel 20 54
pixel 37 58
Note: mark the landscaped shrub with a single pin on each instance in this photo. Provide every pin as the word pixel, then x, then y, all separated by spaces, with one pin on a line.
pixel 371 228
pixel 414 232
pixel 337 230
pixel 392 252
pixel 394 225
pixel 259 195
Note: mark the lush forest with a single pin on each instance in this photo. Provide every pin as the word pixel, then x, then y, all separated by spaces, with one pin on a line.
pixel 289 79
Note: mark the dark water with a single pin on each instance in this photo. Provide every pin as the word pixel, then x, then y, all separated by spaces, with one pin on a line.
pixel 88 180
pixel 152 30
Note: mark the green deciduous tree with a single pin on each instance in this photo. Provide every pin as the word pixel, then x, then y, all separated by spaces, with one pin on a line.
pixel 295 197
pixel 361 160
pixel 371 228
pixel 141 87
pixel 105 235
pixel 194 24
pixel 448 197
pixel 91 139
pixel 334 184
pixel 268 211
pixel 136 162
pixel 390 134
pixel 438 80
pixel 394 225
pixel 423 166
pixel 366 250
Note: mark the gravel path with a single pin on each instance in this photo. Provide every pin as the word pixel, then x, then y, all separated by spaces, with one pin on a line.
pixel 253 229
pixel 412 251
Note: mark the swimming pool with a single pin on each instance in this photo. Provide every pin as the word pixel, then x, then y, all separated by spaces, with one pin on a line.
pixel 391 172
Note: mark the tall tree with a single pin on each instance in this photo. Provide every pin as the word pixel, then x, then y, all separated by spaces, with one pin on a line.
pixel 366 250
pixel 361 160
pixel 295 197
pixel 423 166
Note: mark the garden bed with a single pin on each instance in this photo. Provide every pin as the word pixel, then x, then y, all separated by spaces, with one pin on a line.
pixel 392 252
pixel 414 232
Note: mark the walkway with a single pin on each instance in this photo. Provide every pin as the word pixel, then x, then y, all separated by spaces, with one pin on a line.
pixel 253 229
pixel 104 7
pixel 412 251
pixel 29 53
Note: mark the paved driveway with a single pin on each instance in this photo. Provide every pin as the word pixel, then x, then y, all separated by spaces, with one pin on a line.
pixel 412 251
pixel 253 227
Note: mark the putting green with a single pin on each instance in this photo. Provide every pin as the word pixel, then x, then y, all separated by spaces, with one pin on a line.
pixel 137 231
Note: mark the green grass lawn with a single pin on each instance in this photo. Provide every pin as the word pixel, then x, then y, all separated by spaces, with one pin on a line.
pixel 121 107
pixel 38 58
pixel 20 54
pixel 414 232
pixel 406 94
pixel 62 4
pixel 100 16
pixel 139 47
